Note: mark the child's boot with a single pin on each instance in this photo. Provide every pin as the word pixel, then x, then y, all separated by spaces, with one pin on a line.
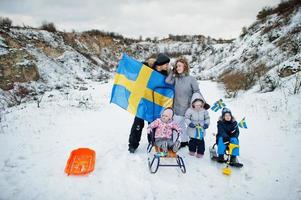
pixel 191 153
pixel 164 147
pixel 184 144
pixel 221 159
pixel 234 162
pixel 198 155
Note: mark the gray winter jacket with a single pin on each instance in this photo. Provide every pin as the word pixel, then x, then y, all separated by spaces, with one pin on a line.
pixel 185 86
pixel 196 117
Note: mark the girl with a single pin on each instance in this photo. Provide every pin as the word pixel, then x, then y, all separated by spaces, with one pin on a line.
pixel 164 130
pixel 197 119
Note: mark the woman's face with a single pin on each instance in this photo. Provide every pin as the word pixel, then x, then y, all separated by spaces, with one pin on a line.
pixel 227 117
pixel 180 67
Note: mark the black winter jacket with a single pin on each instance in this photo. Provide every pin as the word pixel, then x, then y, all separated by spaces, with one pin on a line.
pixel 227 129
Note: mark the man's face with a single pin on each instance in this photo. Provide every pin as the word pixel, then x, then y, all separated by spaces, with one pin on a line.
pixel 165 66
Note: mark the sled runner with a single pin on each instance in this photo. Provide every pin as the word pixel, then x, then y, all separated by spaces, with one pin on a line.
pixel 80 162
pixel 157 155
pixel 229 149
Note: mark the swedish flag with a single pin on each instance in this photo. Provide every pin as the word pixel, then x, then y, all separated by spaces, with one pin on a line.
pixel 243 123
pixel 199 132
pixel 140 90
pixel 218 105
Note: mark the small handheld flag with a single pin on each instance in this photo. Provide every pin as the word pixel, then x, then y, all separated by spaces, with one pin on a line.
pixel 199 132
pixel 218 105
pixel 242 123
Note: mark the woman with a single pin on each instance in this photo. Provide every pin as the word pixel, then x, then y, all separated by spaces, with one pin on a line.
pixel 185 86
pixel 161 66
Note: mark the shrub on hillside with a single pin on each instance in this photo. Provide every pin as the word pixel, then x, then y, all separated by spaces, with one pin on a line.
pixel 269 83
pixel 48 26
pixel 5 22
pixel 242 80
pixel 244 31
pixel 287 6
pixel 15 96
pixel 234 82
pixel 283 8
pixel 266 11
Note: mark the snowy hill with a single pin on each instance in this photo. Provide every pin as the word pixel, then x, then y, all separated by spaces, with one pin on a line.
pixel 36 143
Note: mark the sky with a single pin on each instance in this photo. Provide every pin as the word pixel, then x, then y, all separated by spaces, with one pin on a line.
pixel 134 18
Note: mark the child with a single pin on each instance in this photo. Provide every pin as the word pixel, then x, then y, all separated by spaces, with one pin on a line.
pixel 197 119
pixel 227 131
pixel 164 130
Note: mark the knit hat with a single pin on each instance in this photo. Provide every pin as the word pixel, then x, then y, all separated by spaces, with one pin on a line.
pixel 162 59
pixel 226 110
pixel 168 112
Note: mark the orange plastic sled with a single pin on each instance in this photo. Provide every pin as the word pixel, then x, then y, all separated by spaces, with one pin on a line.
pixel 80 162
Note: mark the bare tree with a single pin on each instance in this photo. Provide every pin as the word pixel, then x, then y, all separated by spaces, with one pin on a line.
pixel 38 99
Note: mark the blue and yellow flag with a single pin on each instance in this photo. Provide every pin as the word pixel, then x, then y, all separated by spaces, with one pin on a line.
pixel 218 105
pixel 243 123
pixel 199 132
pixel 140 90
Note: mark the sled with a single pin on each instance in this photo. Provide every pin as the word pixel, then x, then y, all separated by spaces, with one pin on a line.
pixel 80 162
pixel 155 157
pixel 230 147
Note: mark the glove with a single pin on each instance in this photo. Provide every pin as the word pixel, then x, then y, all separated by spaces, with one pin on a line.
pixel 226 138
pixel 205 126
pixel 191 125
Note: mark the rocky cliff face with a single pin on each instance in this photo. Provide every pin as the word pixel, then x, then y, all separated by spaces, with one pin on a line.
pixel 44 60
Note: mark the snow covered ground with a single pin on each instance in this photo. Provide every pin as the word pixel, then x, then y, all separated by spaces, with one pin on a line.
pixel 36 142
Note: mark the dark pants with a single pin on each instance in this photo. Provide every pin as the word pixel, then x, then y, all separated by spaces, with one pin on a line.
pixel 196 145
pixel 136 131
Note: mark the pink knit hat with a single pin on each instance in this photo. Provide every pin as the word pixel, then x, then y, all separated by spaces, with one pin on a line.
pixel 168 112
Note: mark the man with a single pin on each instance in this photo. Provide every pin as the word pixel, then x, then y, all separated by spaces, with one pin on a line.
pixel 161 66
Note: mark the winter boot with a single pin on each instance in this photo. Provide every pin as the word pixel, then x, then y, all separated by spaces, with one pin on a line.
pixel 191 153
pixel 132 149
pixel 164 147
pixel 184 144
pixel 198 155
pixel 234 162
pixel 221 159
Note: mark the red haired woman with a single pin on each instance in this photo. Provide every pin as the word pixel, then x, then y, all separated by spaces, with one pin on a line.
pixel 185 86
